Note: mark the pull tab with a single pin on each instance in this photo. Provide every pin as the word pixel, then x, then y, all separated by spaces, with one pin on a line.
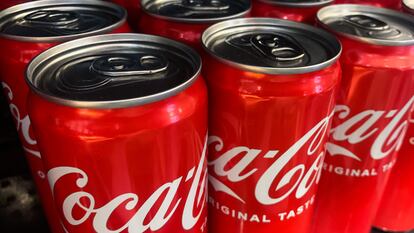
pixel 129 65
pixel 53 18
pixel 367 22
pixel 277 47
pixel 205 5
pixel 274 47
pixel 373 27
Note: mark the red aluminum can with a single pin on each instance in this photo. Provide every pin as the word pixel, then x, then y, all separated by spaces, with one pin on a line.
pixel 25 31
pixel 396 211
pixel 300 11
pixel 372 112
pixel 271 93
pixel 186 20
pixel 121 123
pixel 408 6
pixel 392 4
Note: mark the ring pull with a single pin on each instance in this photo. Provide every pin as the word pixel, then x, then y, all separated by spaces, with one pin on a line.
pixel 373 27
pixel 53 19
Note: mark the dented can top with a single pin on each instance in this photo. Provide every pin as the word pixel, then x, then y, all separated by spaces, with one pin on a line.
pixel 372 25
pixel 196 11
pixel 408 6
pixel 60 20
pixel 298 3
pixel 271 46
pixel 113 71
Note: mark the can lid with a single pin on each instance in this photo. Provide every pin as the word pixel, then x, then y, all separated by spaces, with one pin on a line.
pixel 59 20
pixel 298 3
pixel 113 71
pixel 372 25
pixel 271 46
pixel 408 5
pixel 197 11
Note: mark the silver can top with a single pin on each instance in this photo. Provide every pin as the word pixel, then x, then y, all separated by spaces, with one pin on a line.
pixel 197 11
pixel 113 71
pixel 408 6
pixel 59 20
pixel 271 46
pixel 372 25
pixel 298 3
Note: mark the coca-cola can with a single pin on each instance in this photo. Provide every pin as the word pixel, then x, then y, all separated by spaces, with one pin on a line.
pixel 121 122
pixel 25 31
pixel 300 11
pixel 396 211
pixel 186 20
pixel 392 4
pixel 408 6
pixel 371 115
pixel 272 86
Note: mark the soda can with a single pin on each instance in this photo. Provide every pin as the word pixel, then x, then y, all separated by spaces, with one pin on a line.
pixel 300 11
pixel 396 210
pixel 186 20
pixel 392 4
pixel 408 6
pixel 272 86
pixel 25 31
pixel 121 122
pixel 372 113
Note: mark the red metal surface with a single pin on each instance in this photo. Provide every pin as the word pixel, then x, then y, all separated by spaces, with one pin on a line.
pixel 15 57
pixel 299 14
pixel 397 206
pixel 9 3
pixel 188 33
pixel 137 169
pixel 372 111
pixel 133 8
pixel 392 4
pixel 266 146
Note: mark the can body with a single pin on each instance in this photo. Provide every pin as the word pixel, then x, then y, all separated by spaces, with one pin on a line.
pixel 397 208
pixel 127 180
pixel 188 33
pixel 265 132
pixel 369 125
pixel 12 68
pixel 133 8
pixel 17 54
pixel 392 4
pixel 9 3
pixel 300 14
pixel 185 21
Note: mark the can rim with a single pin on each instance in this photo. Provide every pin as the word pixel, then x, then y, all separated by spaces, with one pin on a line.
pixel 102 39
pixel 270 70
pixel 371 9
pixel 195 20
pixel 46 3
pixel 298 4
pixel 406 5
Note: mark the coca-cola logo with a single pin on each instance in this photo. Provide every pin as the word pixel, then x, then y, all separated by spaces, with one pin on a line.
pixel 356 129
pixel 144 219
pixel 297 181
pixel 22 122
